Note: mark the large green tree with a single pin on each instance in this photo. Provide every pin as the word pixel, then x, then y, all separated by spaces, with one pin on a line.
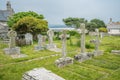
pixel 95 23
pixel 16 17
pixel 31 25
pixel 74 22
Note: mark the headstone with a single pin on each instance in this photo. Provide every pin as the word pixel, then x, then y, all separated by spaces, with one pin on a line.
pixel 97 43
pixel 40 43
pixel 29 38
pixel 13 50
pixel 83 55
pixel 51 46
pixel 61 62
pixel 40 74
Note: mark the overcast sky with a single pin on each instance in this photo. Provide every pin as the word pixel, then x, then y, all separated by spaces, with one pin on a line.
pixel 55 10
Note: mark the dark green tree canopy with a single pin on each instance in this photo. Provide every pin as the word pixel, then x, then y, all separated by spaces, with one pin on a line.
pixel 74 22
pixel 95 23
pixel 16 17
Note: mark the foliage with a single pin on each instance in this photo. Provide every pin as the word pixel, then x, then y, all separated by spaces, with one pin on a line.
pixel 102 29
pixel 16 17
pixel 95 23
pixel 74 22
pixel 30 24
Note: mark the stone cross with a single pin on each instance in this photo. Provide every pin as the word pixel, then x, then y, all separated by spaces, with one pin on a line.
pixel 50 36
pixel 82 37
pixel 40 40
pixel 63 38
pixel 97 42
pixel 12 35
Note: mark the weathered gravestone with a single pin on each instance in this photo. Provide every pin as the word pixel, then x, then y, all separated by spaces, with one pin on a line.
pixel 61 62
pixel 51 46
pixel 29 38
pixel 13 50
pixel 40 74
pixel 40 43
pixel 97 43
pixel 83 55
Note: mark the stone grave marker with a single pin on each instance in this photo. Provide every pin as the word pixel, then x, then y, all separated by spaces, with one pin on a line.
pixel 40 74
pixel 97 43
pixel 51 46
pixel 63 61
pixel 40 43
pixel 29 38
pixel 83 55
pixel 13 50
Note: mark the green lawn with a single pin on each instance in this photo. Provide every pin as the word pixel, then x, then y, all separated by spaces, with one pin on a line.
pixel 105 67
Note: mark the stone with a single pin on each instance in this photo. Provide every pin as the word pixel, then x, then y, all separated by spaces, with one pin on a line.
pixel 96 41
pixel 83 56
pixel 40 43
pixel 29 38
pixel 115 52
pixel 50 34
pixel 40 74
pixel 12 50
pixel 51 46
pixel 61 62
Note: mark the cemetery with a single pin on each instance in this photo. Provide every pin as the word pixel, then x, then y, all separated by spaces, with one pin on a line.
pixel 73 62
pixel 31 50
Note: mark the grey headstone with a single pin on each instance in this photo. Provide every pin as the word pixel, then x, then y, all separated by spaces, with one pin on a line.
pixel 29 38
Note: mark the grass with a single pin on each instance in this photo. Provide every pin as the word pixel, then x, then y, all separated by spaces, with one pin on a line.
pixel 104 67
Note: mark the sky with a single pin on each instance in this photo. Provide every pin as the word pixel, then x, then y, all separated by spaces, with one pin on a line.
pixel 55 10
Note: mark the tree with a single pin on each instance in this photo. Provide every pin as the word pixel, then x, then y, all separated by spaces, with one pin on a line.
pixel 16 17
pixel 30 25
pixel 74 22
pixel 102 29
pixel 95 23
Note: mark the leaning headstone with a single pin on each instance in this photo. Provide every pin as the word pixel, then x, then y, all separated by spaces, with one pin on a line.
pixel 61 62
pixel 97 43
pixel 29 39
pixel 83 55
pixel 13 50
pixel 51 46
pixel 40 74
pixel 40 43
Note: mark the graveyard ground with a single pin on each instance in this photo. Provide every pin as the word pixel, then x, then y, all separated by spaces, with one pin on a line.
pixel 105 67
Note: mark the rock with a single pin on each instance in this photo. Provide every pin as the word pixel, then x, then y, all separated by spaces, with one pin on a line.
pixel 61 62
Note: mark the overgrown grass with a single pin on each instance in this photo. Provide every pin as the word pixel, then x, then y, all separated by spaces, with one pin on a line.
pixel 105 67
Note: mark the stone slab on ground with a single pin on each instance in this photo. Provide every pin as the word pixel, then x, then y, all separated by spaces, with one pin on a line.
pixel 40 74
pixel 83 56
pixel 115 52
pixel 61 62
pixel 97 53
pixel 10 51
pixel 18 55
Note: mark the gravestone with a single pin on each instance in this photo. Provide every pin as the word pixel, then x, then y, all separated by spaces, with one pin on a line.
pixel 13 50
pixel 29 39
pixel 51 46
pixel 40 43
pixel 97 43
pixel 61 62
pixel 83 55
pixel 40 74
